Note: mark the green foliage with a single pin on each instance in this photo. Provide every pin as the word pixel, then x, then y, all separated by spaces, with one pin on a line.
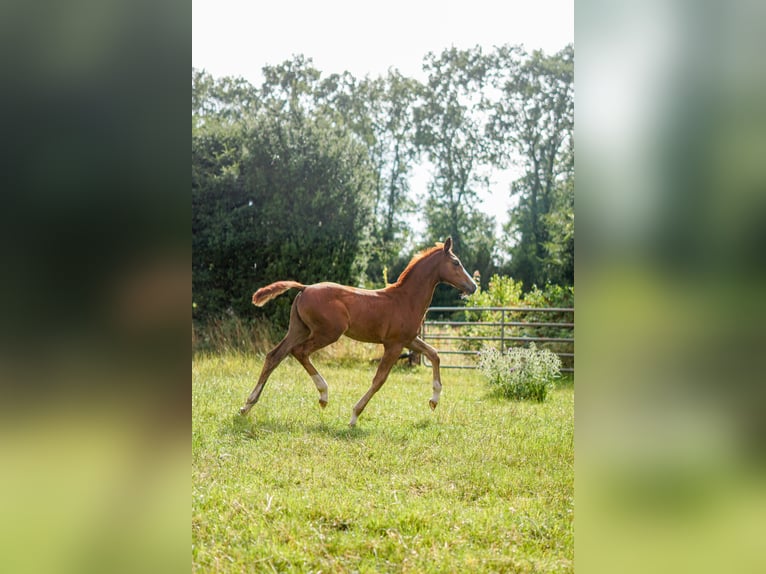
pixel 521 373
pixel 289 87
pixel 226 100
pixel 381 113
pixel 288 198
pixel 451 134
pixel 307 176
pixel 504 291
pixel 533 125
pixel 478 485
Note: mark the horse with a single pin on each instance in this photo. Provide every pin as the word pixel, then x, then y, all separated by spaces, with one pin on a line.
pixel 323 312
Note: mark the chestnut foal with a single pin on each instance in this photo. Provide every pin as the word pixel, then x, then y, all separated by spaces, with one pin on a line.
pixel 323 312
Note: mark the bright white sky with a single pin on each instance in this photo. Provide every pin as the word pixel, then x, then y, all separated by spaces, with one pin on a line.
pixel 239 37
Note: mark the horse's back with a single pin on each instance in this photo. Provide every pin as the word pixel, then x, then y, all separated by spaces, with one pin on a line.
pixel 334 295
pixel 327 291
pixel 363 314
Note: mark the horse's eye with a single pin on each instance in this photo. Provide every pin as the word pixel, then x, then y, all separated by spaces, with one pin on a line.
pixel 455 262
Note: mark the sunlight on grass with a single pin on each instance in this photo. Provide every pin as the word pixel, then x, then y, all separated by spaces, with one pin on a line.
pixel 480 484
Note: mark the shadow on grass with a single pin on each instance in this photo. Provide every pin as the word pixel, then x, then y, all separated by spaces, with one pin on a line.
pixel 250 429
pixel 497 397
pixel 423 423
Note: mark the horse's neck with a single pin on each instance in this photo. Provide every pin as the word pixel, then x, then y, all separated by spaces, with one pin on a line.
pixel 418 287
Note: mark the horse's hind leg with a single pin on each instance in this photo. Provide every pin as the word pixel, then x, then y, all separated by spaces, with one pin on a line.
pixel 296 334
pixel 318 379
pixel 273 358
pixel 301 353
pixel 390 356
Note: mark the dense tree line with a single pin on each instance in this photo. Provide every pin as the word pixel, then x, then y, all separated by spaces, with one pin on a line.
pixel 307 176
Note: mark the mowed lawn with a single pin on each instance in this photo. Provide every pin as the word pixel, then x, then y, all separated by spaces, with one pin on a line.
pixel 479 485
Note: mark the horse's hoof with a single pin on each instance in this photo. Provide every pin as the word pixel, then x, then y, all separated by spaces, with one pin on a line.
pixel 243 411
pixel 322 403
pixel 432 405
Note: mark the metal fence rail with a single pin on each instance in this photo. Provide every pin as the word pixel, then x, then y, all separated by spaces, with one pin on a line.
pixel 457 336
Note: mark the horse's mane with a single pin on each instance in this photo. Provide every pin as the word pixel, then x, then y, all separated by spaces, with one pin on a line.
pixel 417 259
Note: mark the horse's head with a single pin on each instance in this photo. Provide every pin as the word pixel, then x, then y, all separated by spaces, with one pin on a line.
pixel 452 271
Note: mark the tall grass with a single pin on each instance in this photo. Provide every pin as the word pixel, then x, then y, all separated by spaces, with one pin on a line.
pixel 232 334
pixel 479 485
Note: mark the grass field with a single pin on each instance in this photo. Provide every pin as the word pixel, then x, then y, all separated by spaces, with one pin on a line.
pixel 479 485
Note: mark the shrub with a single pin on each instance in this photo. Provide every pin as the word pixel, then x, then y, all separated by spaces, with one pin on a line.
pixel 521 373
pixel 504 291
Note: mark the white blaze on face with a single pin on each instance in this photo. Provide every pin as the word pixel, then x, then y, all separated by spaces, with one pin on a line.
pixel 467 279
pixel 321 385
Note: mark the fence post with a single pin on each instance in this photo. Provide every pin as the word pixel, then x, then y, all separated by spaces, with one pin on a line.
pixel 502 332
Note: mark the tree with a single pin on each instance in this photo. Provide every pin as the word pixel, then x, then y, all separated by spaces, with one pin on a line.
pixel 290 86
pixel 396 128
pixel 307 177
pixel 224 100
pixel 310 185
pixel 532 126
pixel 451 132
pixel 279 194
pixel 217 190
pixel 379 112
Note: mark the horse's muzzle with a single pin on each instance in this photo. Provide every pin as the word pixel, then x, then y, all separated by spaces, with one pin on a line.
pixel 468 288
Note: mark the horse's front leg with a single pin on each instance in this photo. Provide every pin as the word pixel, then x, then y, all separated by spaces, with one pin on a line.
pixel 420 346
pixel 390 356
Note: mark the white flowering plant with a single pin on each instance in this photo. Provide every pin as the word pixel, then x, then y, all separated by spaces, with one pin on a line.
pixel 523 373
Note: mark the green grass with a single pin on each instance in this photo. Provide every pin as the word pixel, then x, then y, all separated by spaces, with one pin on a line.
pixel 479 485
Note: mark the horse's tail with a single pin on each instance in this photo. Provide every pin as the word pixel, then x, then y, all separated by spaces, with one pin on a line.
pixel 266 294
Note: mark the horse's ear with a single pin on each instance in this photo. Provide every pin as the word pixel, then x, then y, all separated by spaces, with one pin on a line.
pixel 448 245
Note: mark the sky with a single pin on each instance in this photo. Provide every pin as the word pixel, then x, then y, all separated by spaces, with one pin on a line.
pixel 239 37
